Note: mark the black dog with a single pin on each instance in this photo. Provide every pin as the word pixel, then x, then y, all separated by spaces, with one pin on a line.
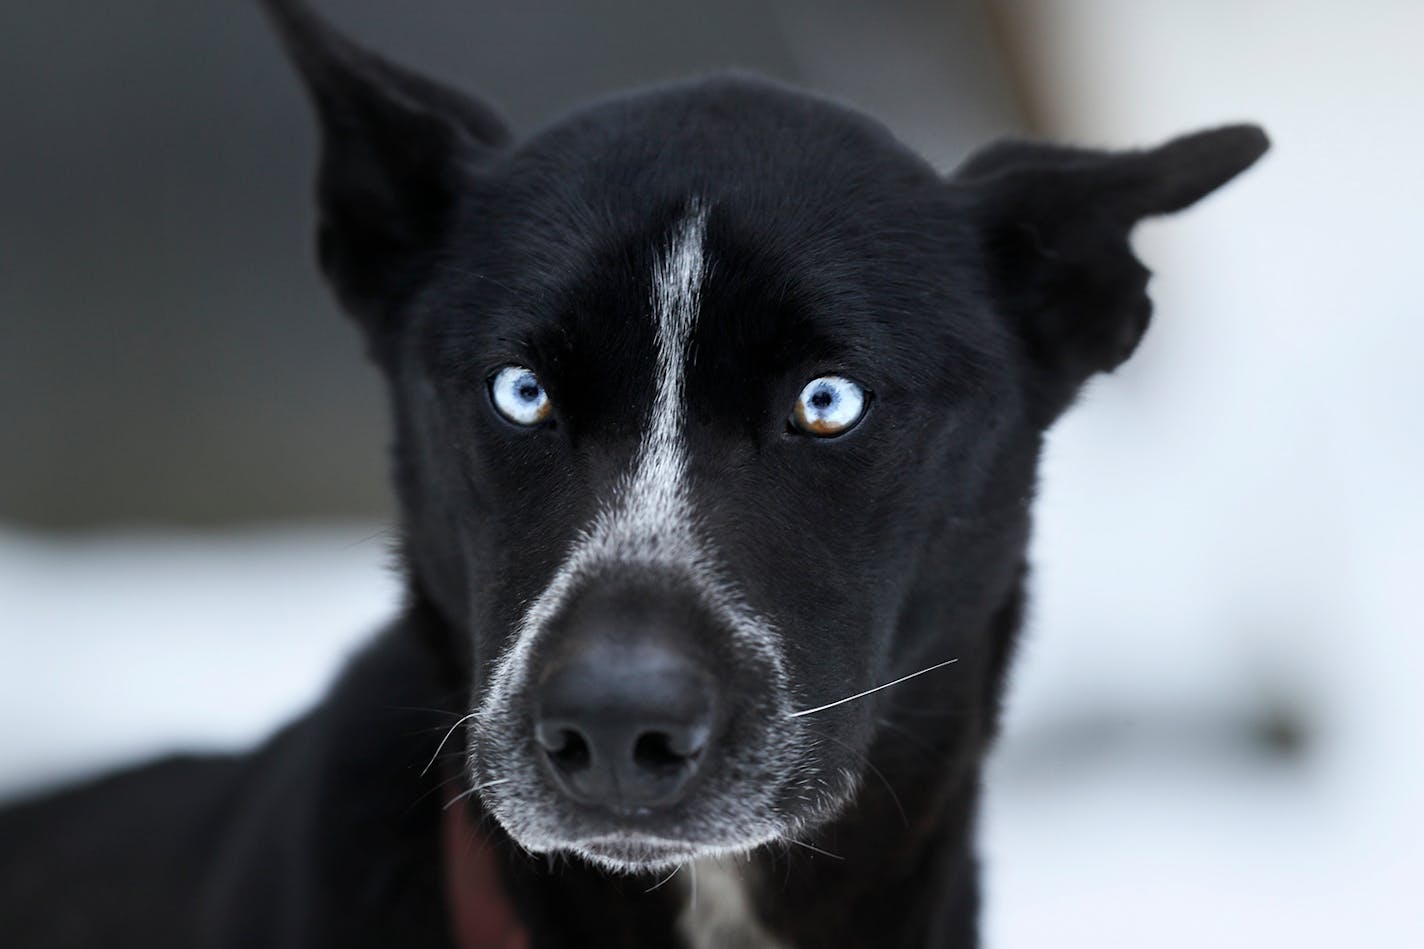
pixel 716 409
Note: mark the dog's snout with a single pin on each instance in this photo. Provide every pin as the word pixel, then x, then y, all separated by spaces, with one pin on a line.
pixel 625 725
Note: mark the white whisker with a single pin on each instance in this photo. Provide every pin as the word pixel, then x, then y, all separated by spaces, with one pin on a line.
pixel 665 879
pixel 474 790
pixel 861 695
pixel 802 843
pixel 445 739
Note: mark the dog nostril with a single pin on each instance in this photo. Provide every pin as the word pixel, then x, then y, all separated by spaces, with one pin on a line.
pixel 569 751
pixel 656 751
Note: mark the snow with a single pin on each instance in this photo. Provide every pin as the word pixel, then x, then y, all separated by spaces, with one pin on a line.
pixel 119 645
pixel 1229 532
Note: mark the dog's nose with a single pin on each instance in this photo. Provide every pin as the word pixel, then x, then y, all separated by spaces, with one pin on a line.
pixel 625 725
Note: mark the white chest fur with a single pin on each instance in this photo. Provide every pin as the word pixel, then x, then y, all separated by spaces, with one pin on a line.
pixel 719 911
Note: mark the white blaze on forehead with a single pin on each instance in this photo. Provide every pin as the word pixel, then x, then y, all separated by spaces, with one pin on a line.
pixel 655 500
pixel 649 521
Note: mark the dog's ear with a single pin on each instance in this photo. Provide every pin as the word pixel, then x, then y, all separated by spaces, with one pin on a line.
pixel 1055 224
pixel 395 149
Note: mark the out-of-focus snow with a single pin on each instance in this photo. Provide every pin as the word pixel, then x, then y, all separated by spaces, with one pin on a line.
pixel 121 645
pixel 1230 527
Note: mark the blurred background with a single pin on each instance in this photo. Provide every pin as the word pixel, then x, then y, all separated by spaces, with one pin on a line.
pixel 1214 730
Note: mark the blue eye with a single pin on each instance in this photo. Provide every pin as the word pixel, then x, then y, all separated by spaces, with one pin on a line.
pixel 829 406
pixel 518 396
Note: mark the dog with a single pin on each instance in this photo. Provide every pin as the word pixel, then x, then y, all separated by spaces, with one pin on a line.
pixel 717 413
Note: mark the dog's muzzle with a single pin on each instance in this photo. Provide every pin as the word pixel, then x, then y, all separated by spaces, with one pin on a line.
pixel 643 722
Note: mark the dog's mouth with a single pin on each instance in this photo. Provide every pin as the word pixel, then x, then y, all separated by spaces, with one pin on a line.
pixel 639 852
pixel 634 851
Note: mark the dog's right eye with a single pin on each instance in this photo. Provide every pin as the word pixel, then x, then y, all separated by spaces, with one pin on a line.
pixel 518 395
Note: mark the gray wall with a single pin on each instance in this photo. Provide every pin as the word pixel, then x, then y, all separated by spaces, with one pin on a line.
pixel 167 352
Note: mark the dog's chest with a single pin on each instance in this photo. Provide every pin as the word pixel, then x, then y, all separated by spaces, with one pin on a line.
pixel 719 910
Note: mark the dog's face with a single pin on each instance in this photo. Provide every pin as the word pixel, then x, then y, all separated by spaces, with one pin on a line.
pixel 697 400
pixel 714 406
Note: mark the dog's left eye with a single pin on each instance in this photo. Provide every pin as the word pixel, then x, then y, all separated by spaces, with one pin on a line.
pixel 829 406
pixel 519 396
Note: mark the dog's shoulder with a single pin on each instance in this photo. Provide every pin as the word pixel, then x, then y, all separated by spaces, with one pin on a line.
pixel 119 857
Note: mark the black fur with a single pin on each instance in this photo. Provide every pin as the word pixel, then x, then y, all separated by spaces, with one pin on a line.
pixel 972 306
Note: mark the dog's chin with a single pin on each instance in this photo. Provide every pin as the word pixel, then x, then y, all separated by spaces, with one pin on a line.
pixel 635 853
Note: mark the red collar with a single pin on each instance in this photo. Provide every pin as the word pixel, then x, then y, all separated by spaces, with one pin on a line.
pixel 481 915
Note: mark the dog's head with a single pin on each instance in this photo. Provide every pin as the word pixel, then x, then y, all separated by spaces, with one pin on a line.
pixel 715 406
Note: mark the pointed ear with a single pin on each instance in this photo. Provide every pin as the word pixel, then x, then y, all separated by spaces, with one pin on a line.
pixel 1055 224
pixel 395 150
